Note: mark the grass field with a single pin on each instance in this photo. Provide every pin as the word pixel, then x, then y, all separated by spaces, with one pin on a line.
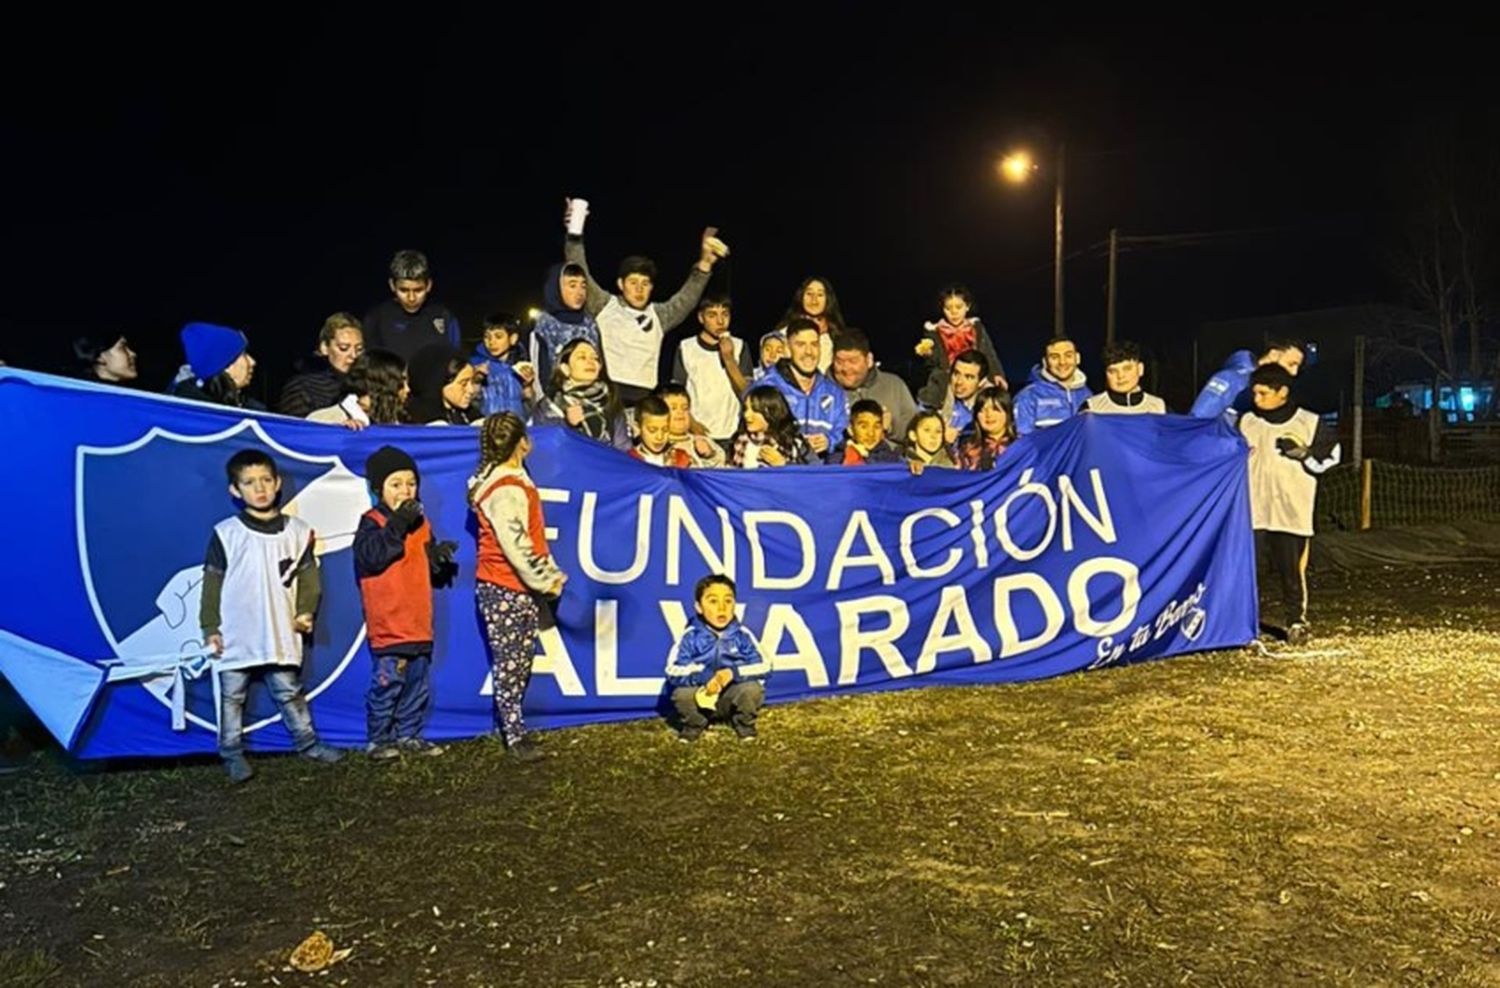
pixel 1321 816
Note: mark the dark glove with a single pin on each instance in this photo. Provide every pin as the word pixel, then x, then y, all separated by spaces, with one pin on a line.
pixel 441 564
pixel 407 517
pixel 441 553
pixel 1291 449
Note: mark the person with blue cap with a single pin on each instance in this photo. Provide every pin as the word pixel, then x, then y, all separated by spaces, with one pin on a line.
pixel 219 367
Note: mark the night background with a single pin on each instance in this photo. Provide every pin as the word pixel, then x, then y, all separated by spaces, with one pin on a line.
pixel 259 173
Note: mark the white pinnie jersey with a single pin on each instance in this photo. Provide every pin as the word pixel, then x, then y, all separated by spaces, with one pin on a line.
pixel 1283 490
pixel 259 600
pixel 632 341
pixel 714 401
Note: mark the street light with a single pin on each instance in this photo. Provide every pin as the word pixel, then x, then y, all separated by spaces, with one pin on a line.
pixel 1017 168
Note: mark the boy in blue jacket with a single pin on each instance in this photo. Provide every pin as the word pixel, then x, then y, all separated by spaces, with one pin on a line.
pixel 715 669
pixel 508 376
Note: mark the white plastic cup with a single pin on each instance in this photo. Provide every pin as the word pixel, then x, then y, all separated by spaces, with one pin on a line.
pixel 578 211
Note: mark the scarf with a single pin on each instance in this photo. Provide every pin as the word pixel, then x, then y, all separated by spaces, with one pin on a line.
pixel 594 400
pixel 955 339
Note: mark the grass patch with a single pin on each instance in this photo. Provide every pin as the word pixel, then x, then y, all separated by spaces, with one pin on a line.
pixel 1325 816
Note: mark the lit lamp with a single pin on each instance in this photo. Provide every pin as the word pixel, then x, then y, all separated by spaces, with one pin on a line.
pixel 1017 167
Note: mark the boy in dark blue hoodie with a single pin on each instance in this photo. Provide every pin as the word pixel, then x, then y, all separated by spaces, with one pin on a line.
pixel 409 320
pixel 716 669
pixel 565 319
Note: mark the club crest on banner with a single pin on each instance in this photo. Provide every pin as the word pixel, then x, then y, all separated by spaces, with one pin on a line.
pixel 144 525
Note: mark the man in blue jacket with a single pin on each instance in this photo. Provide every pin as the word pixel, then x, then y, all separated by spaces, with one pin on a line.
pixel 1227 392
pixel 1057 390
pixel 817 401
pixel 716 667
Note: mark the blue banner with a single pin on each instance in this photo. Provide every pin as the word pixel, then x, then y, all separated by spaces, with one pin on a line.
pixel 1106 540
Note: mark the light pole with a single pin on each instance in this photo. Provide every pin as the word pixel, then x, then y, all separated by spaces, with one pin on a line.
pixel 1017 168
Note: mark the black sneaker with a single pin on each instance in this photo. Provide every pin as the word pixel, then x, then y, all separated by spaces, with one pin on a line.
pixel 689 734
pixel 746 733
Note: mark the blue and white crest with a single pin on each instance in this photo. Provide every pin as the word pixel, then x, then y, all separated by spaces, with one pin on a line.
pixel 145 513
pixel 1192 625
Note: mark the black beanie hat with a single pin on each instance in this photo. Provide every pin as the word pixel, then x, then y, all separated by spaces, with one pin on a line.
pixel 385 461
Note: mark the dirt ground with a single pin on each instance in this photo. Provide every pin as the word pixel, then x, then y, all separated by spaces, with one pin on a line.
pixel 1319 815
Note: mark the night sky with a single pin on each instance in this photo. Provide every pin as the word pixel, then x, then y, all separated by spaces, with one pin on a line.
pixel 261 174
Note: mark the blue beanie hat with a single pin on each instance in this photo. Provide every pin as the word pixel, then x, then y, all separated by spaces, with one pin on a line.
pixel 211 349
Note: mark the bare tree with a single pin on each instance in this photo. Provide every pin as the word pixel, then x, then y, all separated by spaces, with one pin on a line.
pixel 1445 260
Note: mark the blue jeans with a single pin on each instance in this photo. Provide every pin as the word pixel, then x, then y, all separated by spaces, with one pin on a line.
pixel 399 695
pixel 286 689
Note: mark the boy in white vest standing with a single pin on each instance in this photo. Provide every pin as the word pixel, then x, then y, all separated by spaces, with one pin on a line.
pixel 1289 449
pixel 714 366
pixel 260 591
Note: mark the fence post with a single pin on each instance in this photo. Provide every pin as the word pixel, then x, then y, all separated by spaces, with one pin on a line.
pixel 1434 421
pixel 1359 400
pixel 1366 477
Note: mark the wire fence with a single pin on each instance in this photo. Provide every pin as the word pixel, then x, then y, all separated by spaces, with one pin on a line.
pixel 1407 495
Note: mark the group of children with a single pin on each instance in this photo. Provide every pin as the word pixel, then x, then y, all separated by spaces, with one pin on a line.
pixel 261 579
pixel 262 585
pixel 810 394
pixel 591 356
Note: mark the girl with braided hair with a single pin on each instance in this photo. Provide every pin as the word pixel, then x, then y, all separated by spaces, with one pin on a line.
pixel 514 566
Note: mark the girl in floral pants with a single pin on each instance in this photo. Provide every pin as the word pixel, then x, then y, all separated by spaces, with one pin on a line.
pixel 514 566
